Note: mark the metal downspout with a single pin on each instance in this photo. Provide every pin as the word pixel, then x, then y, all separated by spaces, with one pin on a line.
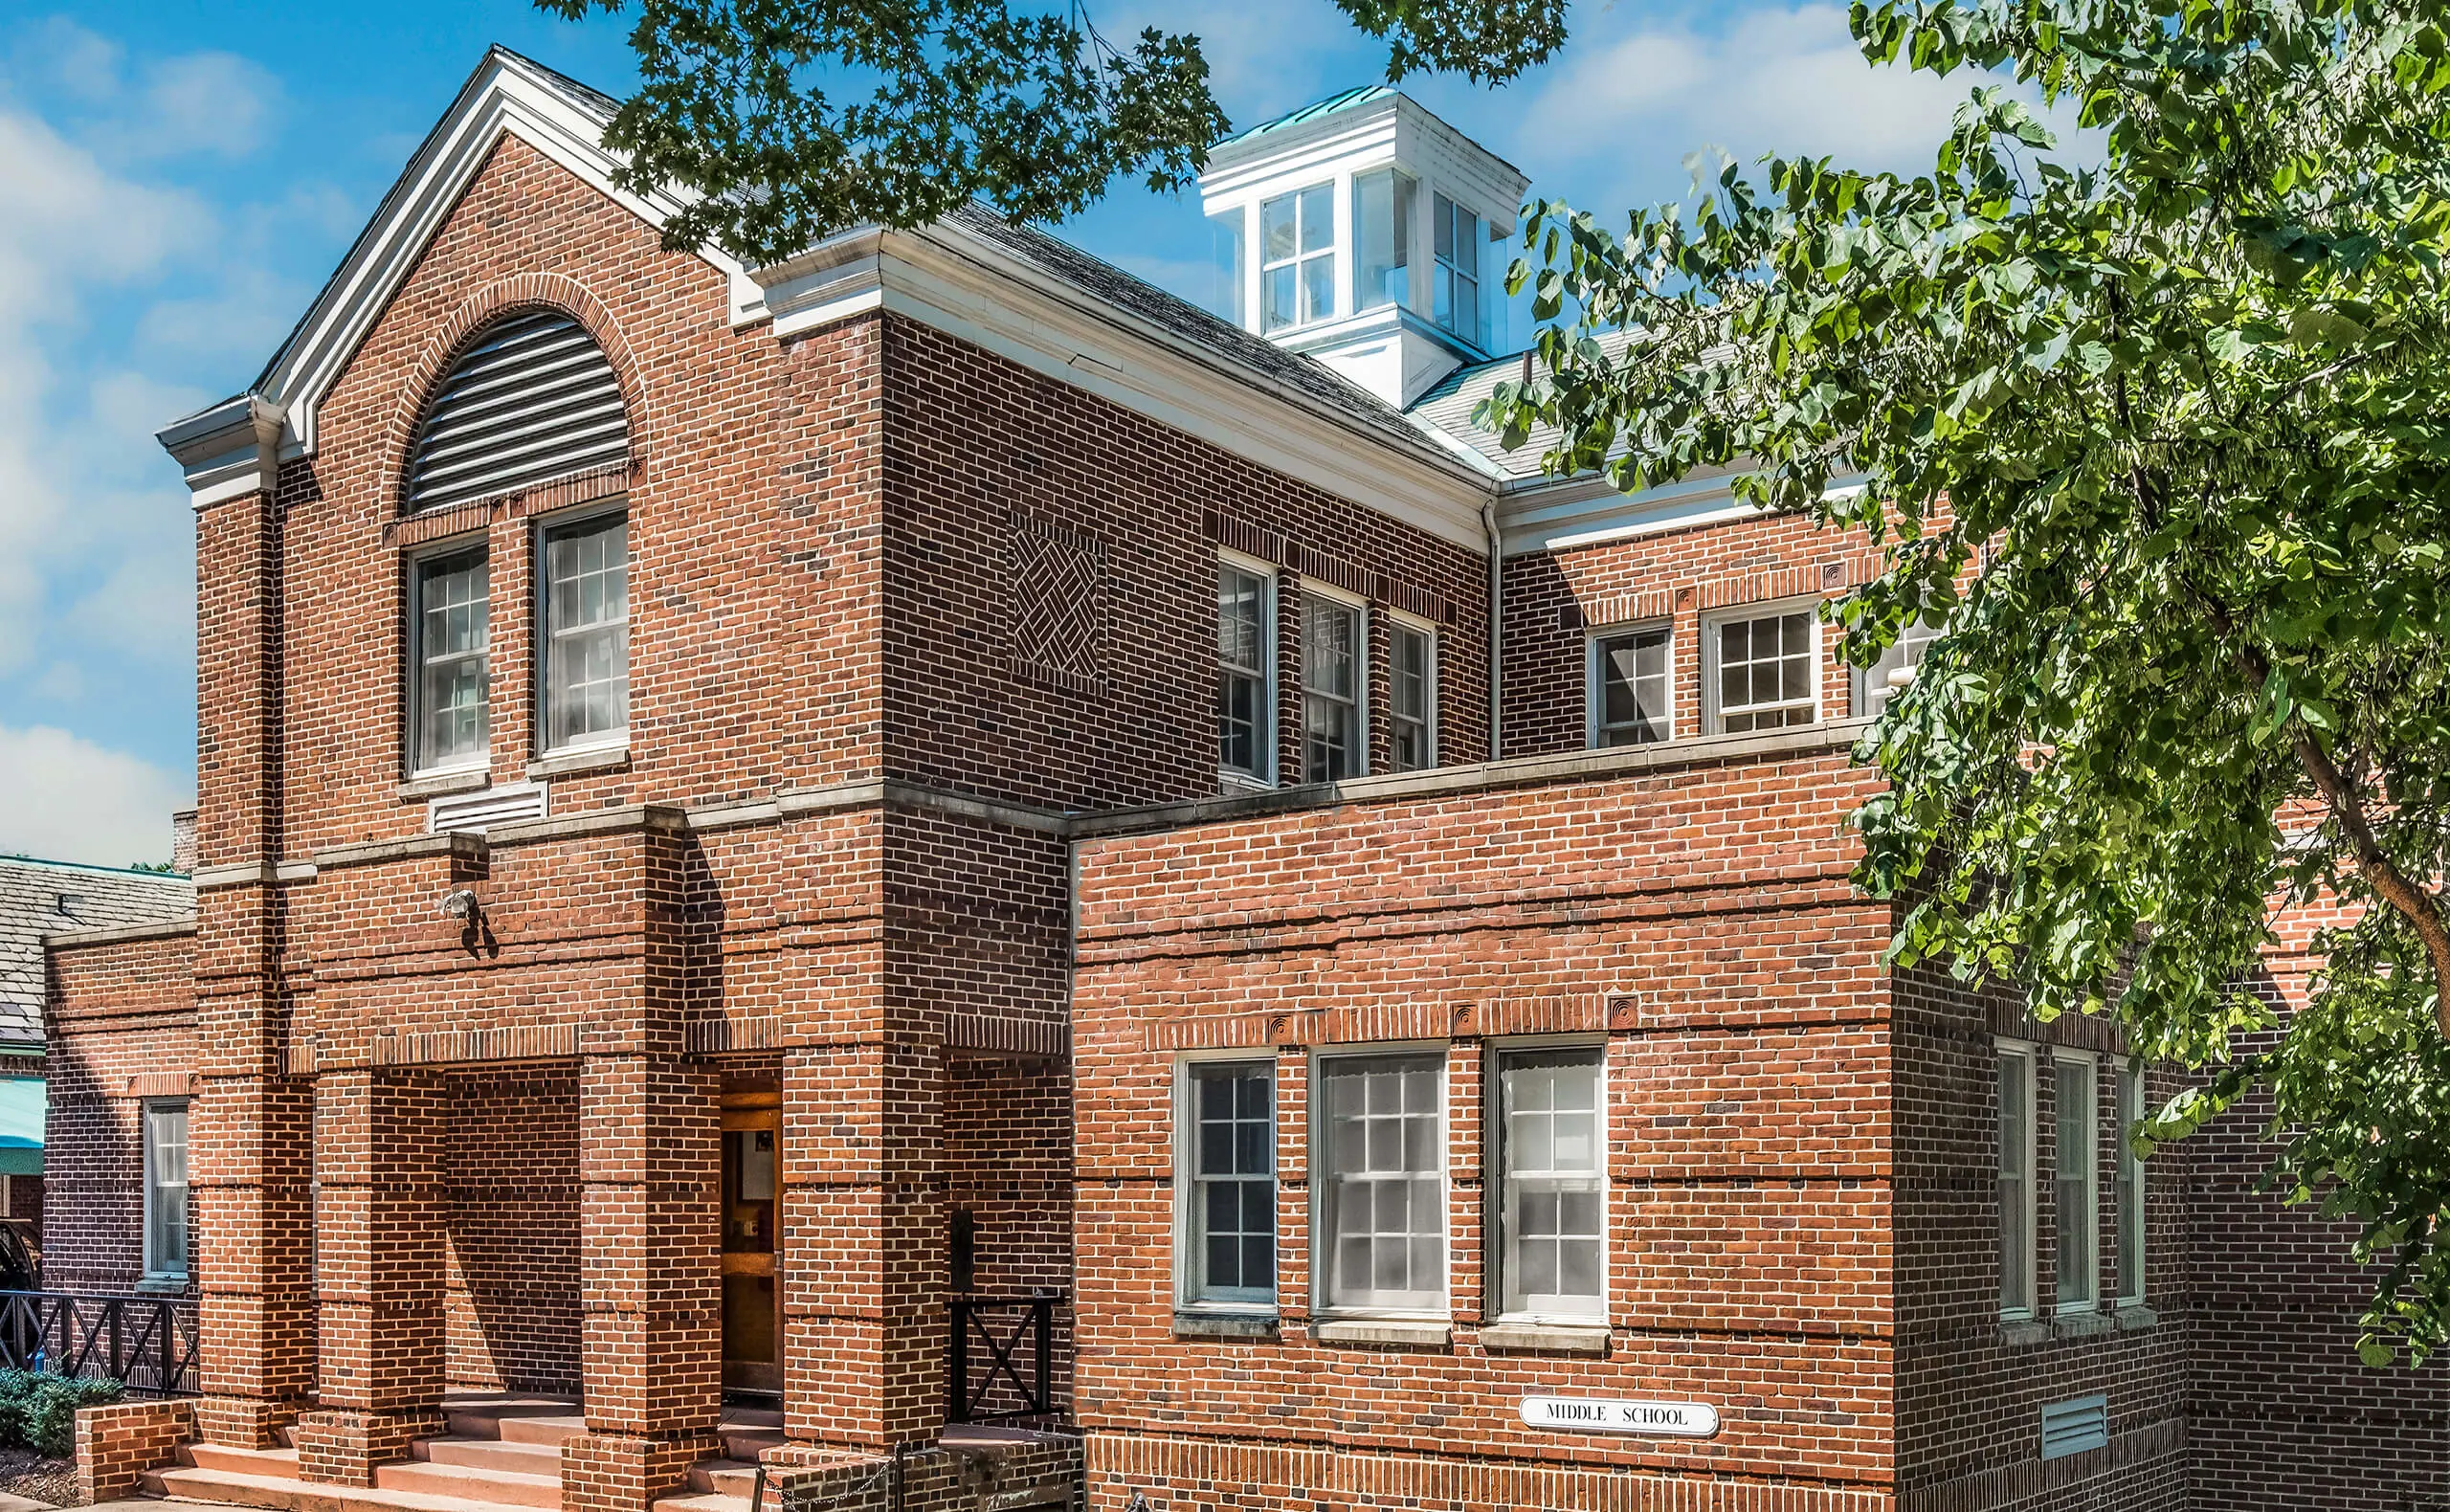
pixel 1496 627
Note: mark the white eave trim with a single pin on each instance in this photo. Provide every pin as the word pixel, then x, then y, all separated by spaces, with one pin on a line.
pixel 503 98
pixel 967 287
pixel 228 451
pixel 1568 513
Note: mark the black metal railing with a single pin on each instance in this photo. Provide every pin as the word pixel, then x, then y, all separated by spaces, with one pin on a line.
pixel 146 1344
pixel 1003 1364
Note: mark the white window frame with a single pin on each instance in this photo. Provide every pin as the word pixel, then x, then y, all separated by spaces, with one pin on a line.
pixel 413 727
pixel 1190 1290
pixel 1872 689
pixel 150 1238
pixel 2023 1050
pixel 1266 737
pixel 2132 1265
pixel 1312 589
pixel 539 539
pixel 1398 620
pixel 2091 1125
pixel 1321 1168
pixel 1594 679
pixel 1445 271
pixel 1494 1135
pixel 1299 259
pixel 1714 717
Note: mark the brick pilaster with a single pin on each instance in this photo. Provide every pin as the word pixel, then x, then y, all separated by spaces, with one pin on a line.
pixel 381 1216
pixel 650 1146
pixel 249 1121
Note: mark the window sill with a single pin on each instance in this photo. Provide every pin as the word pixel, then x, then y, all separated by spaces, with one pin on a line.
pixel 1190 1324
pixel 570 762
pixel 438 784
pixel 1507 1338
pixel 2136 1317
pixel 1233 784
pixel 1420 1335
pixel 2085 1325
pixel 152 1285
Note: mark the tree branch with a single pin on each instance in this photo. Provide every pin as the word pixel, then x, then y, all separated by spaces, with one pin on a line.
pixel 2390 885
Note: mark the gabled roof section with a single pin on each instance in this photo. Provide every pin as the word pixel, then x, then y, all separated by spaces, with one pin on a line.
pixel 1342 99
pixel 507 94
pixel 41 897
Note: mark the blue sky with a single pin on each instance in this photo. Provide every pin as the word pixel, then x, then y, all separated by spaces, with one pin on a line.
pixel 173 188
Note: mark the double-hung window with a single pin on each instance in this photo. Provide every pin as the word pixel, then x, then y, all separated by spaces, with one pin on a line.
pixel 446 642
pixel 166 1190
pixel 1226 1148
pixel 1631 696
pixel 1412 696
pixel 1454 292
pixel 1245 701
pixel 1382 1189
pixel 1334 688
pixel 585 633
pixel 2016 1181
pixel 1552 1225
pixel 1297 256
pixel 2076 1204
pixel 2131 1188
pixel 1766 670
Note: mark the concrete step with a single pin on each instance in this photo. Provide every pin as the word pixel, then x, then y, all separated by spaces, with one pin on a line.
pixel 278 1494
pixel 472 1483
pixel 528 1419
pixel 553 1430
pixel 491 1454
pixel 703 1502
pixel 732 1477
pixel 754 1417
pixel 278 1463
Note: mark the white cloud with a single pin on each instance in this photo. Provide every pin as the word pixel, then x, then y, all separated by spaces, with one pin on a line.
pixel 1788 80
pixel 72 800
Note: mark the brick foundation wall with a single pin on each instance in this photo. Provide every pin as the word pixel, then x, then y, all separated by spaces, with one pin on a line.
pixel 118 1443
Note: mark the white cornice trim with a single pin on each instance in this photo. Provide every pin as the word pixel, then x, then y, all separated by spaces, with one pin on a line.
pixel 967 287
pixel 502 98
pixel 228 451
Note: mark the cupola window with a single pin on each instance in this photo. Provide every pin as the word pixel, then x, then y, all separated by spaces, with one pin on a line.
pixel 1297 256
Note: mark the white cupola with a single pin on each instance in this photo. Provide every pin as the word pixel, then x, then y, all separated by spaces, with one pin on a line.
pixel 1360 229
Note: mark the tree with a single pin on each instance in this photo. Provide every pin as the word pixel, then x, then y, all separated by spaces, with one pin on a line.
pixel 2164 439
pixel 940 101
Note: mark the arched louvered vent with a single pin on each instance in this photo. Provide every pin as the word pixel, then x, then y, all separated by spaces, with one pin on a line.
pixel 532 401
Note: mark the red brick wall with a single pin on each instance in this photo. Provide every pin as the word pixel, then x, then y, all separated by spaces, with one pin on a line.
pixel 1697 916
pixel 1554 599
pixel 122 1028
pixel 511 1303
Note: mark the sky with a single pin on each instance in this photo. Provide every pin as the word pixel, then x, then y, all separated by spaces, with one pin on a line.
pixel 174 188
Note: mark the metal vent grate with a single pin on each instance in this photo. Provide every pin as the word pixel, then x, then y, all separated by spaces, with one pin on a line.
pixel 2074 1426
pixel 534 400
pixel 472 812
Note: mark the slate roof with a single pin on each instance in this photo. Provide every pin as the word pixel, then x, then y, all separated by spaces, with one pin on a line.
pixel 1449 405
pixel 40 897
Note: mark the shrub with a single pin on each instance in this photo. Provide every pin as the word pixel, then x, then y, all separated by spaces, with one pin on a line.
pixel 47 1414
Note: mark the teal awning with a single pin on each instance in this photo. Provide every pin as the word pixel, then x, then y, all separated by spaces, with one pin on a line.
pixel 21 1114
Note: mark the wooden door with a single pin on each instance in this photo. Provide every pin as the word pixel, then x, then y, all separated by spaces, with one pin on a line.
pixel 752 1214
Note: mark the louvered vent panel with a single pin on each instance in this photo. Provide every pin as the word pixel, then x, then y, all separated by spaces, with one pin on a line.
pixel 472 812
pixel 2074 1426
pixel 533 401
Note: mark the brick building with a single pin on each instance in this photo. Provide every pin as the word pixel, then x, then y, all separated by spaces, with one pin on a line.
pixel 770 837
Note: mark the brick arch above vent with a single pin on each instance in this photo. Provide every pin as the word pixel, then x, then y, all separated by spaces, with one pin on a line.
pixel 462 336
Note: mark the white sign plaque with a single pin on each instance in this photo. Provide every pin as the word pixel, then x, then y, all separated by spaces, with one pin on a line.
pixel 1593 1415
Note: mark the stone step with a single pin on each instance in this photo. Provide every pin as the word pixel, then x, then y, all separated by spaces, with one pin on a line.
pixel 744 1444
pixel 472 1483
pixel 278 1463
pixel 278 1494
pixel 753 1417
pixel 491 1454
pixel 543 1429
pixel 732 1477
pixel 702 1501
